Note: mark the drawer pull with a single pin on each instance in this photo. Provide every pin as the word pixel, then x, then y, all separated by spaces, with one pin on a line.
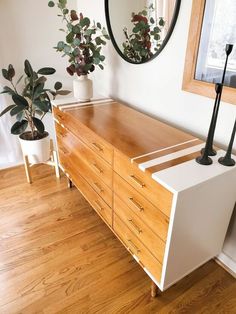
pixel 98 147
pixel 135 226
pixel 137 181
pixel 136 204
pixel 100 208
pixel 133 246
pixel 61 134
pixel 97 168
pixel 97 187
pixel 60 116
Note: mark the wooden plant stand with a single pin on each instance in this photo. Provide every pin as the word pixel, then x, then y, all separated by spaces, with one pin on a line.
pixel 53 161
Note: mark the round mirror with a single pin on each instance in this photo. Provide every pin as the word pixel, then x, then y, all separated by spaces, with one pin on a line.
pixel 140 29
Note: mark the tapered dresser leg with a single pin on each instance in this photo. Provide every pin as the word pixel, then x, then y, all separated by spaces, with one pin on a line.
pixel 155 291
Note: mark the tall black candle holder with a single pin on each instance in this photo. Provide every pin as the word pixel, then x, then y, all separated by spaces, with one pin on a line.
pixel 208 150
pixel 227 160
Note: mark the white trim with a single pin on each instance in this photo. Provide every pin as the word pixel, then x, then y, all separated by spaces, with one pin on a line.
pixel 163 149
pixel 227 263
pixel 163 159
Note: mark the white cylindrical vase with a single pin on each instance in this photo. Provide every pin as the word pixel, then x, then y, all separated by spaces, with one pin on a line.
pixel 83 88
pixel 38 151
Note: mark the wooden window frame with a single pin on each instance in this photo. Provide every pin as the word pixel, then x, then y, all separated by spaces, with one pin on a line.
pixel 190 84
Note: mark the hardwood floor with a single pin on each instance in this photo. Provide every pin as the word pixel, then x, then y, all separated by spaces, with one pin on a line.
pixel 57 256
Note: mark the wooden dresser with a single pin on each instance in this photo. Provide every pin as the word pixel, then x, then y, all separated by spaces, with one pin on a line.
pixel 141 177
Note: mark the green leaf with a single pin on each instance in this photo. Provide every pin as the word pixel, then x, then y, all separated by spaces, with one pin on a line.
pixel 42 105
pixel 20 101
pixel 65 11
pixel 85 22
pixel 60 45
pixel 7 90
pixel 70 37
pixel 46 71
pixel 28 69
pixel 96 60
pixel 39 89
pixel 58 85
pixel 51 4
pixel 39 125
pixel 7 109
pixel 20 116
pixel 98 40
pixel 19 127
pixel 99 25
pixel 16 110
pixel 62 4
pixel 152 20
pixel 11 72
pixel 63 92
pixel 41 80
pixel 101 66
pixel 161 22
pixel 76 29
pixel 5 74
pixel 76 42
pixel 102 58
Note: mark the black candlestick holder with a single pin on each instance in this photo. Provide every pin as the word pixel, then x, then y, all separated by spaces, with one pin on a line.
pixel 204 159
pixel 227 160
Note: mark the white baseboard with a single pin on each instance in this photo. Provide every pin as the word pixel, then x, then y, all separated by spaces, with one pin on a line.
pixel 227 263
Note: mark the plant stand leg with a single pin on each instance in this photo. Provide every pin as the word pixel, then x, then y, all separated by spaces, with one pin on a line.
pixel 155 291
pixel 69 183
pixel 57 169
pixel 54 159
pixel 27 169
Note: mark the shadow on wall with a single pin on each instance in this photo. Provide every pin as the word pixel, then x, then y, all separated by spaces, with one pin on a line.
pixel 229 245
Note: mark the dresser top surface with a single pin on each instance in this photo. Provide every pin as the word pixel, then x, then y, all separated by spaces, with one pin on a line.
pixel 131 132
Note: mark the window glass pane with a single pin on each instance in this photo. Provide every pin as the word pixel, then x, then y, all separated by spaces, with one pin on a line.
pixel 219 29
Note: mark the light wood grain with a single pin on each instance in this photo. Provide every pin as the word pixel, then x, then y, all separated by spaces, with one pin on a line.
pixel 57 256
pixel 136 247
pixel 141 207
pixel 190 84
pixel 96 143
pixel 127 130
pixel 143 183
pixel 77 150
pixel 153 243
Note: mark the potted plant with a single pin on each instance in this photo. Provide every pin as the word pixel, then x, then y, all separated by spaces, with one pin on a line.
pixel 83 44
pixel 29 107
pixel 145 38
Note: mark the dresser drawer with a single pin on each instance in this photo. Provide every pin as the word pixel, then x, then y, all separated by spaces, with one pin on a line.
pixel 91 196
pixel 152 242
pixel 141 207
pixel 135 246
pixel 143 183
pixel 97 144
pixel 81 167
pixel 94 163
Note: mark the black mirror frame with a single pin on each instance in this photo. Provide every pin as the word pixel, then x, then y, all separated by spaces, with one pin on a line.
pixel 168 35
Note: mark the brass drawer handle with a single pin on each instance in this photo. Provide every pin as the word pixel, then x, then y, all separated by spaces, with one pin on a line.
pixel 136 204
pixel 134 246
pixel 61 134
pixel 60 116
pixel 137 181
pixel 135 226
pixel 97 168
pixel 97 187
pixel 98 147
pixel 100 208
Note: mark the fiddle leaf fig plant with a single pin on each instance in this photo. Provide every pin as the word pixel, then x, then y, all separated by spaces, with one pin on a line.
pixel 32 101
pixel 83 41
pixel 145 38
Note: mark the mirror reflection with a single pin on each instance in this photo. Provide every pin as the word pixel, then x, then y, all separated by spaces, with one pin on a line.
pixel 140 27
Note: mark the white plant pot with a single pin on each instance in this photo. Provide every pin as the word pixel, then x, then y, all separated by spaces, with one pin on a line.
pixel 83 88
pixel 38 151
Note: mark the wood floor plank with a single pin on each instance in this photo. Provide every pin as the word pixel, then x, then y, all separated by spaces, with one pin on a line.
pixel 57 256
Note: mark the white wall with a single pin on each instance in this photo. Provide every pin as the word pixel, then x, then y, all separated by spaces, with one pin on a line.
pixel 154 87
